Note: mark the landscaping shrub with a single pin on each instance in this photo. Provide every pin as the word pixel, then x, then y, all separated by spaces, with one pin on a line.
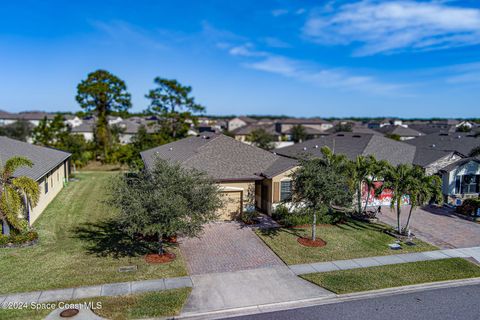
pixel 249 217
pixel 18 238
pixel 469 207
pixel 303 216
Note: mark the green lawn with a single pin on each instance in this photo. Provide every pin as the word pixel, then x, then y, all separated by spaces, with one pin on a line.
pixel 79 246
pixel 396 275
pixel 350 240
pixel 147 305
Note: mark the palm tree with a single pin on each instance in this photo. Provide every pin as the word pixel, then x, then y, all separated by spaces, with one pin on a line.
pixel 16 193
pixel 421 190
pixel 397 180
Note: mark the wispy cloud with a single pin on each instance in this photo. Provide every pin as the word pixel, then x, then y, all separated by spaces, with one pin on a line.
pixel 393 26
pixel 465 74
pixel 310 72
pixel 279 12
pixel 125 33
pixel 323 77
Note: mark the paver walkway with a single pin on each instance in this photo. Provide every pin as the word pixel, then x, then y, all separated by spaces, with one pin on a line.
pixel 437 226
pixel 227 247
pixel 110 289
pixel 298 269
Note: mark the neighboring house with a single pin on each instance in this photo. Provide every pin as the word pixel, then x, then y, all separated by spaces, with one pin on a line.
pixel 384 122
pixel 403 132
pixel 86 129
pixel 461 180
pixel 314 127
pixel 247 176
pixel 242 133
pixel 34 117
pixel 460 142
pixel 239 122
pixel 352 145
pixel 51 170
pixel 72 120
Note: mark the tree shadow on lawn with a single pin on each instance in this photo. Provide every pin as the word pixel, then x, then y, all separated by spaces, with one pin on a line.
pixel 108 238
pixel 358 225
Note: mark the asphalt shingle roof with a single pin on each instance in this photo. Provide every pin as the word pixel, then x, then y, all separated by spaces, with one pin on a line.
pixel 353 145
pixel 44 159
pixel 462 143
pixel 401 131
pixel 221 157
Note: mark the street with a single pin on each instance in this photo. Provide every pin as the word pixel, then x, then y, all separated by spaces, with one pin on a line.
pixel 438 304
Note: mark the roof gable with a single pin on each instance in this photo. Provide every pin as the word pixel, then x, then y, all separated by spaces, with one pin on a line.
pixel 44 159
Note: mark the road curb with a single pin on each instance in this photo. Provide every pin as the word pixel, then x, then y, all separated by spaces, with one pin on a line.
pixel 337 298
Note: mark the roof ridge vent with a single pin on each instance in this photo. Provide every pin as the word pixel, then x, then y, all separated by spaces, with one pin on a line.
pixel 316 146
pixel 304 148
pixel 171 148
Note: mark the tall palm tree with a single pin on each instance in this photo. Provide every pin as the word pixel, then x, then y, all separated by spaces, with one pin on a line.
pixel 16 193
pixel 397 180
pixel 421 190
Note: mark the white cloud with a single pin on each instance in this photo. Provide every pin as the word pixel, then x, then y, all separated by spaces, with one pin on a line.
pixel 321 77
pixel 246 50
pixel 275 42
pixel 389 27
pixel 279 12
pixel 468 74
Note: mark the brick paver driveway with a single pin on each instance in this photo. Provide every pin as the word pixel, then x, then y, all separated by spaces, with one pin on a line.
pixel 438 226
pixel 225 247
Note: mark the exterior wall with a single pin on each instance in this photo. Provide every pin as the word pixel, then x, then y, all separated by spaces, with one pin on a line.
pixel 274 189
pixel 441 163
pixel 56 179
pixel 449 178
pixel 235 124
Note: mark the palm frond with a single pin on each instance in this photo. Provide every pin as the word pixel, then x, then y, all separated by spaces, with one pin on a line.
pixel 29 187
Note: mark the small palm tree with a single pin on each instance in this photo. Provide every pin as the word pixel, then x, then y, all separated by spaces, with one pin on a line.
pixel 16 193
pixel 421 190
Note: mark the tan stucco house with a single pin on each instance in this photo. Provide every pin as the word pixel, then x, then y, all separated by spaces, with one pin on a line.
pixel 247 176
pixel 51 170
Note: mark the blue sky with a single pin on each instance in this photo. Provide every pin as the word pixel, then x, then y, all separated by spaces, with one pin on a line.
pixel 300 58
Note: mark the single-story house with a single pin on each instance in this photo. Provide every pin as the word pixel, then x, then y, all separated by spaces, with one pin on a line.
pixel 247 176
pixel 352 145
pixel 403 132
pixel 461 142
pixel 50 169
pixel 239 122
pixel 461 180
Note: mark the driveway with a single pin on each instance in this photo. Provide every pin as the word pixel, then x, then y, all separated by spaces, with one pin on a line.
pixel 227 247
pixel 438 226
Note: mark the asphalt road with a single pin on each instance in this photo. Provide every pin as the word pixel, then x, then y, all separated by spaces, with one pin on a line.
pixel 439 304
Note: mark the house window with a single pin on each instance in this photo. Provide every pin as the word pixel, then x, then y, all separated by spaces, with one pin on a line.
pixel 46 185
pixel 467 184
pixel 285 190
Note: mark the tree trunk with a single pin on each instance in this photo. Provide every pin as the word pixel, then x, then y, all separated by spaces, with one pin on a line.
pixel 6 227
pixel 398 216
pixel 368 198
pixel 359 198
pixel 314 226
pixel 160 245
pixel 408 219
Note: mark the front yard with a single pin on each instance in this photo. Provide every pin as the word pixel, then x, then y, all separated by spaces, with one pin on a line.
pixel 350 240
pixel 347 281
pixel 79 245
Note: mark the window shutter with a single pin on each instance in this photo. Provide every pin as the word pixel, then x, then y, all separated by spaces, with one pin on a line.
pixel 276 191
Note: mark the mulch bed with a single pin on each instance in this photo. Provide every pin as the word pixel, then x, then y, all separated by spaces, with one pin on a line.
pixel 157 258
pixel 307 242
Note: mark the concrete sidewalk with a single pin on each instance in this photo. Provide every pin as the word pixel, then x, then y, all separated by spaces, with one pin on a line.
pixel 110 289
pixel 230 290
pixel 299 269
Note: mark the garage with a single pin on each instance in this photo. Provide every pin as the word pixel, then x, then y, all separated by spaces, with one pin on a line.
pixel 232 204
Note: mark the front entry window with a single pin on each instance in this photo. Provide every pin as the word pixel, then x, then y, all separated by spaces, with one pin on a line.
pixel 285 190
pixel 467 184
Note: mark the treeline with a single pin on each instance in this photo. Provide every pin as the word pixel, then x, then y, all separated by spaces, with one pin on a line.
pixel 103 94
